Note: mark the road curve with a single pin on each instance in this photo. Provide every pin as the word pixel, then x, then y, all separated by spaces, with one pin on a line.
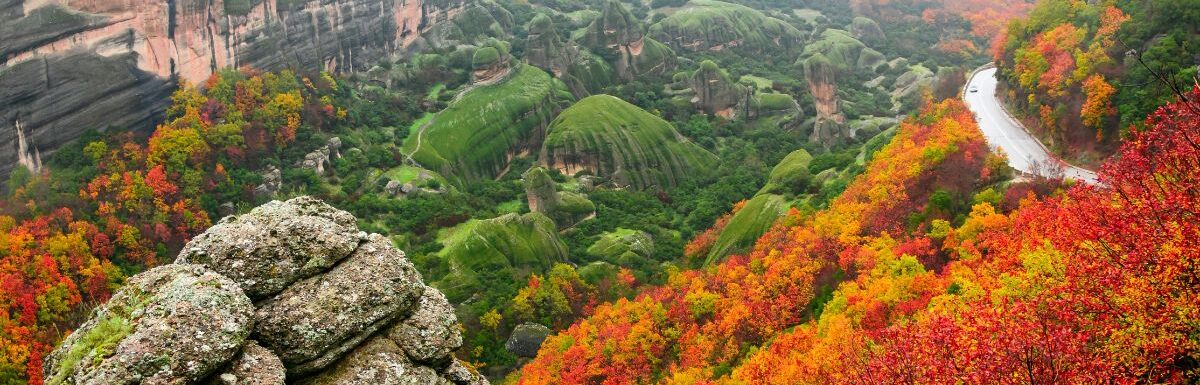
pixel 1024 152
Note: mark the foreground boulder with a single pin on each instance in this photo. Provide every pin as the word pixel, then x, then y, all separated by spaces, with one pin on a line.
pixel 254 365
pixel 313 322
pixel 276 244
pixel 171 325
pixel 331 306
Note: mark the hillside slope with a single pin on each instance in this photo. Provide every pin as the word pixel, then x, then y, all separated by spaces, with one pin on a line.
pixel 718 26
pixel 703 321
pixel 609 137
pixel 477 134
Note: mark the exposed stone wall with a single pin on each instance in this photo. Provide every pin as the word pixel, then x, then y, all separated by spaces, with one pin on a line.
pixel 68 66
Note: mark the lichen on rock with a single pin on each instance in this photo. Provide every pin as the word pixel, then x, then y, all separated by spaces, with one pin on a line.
pixel 173 324
pixel 275 244
pixel 354 311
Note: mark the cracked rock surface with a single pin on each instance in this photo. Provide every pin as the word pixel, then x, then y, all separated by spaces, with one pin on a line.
pixel 291 292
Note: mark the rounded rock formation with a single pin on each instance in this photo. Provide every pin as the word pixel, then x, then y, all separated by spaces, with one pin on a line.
pixel 313 322
pixel 526 339
pixel 173 324
pixel 340 307
pixel 275 244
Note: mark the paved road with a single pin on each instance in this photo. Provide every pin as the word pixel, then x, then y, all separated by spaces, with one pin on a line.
pixel 1024 152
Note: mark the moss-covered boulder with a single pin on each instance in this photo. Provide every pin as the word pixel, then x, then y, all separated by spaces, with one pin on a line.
pixel 173 324
pixel 622 247
pixel 476 136
pixel 508 247
pixel 791 176
pixel 843 51
pixel 254 365
pixel 187 324
pixel 708 25
pixel 609 137
pixel 275 245
pixel 313 322
pixel 715 92
pixel 866 30
pixel 564 207
pixel 749 223
pixel 619 37
pixel 379 361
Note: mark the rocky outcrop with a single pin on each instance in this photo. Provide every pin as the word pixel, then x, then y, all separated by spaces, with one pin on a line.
pixel 715 92
pixel 69 67
pixel 272 181
pixel 578 68
pixel 526 339
pixel 335 308
pixel 172 324
pixel 565 208
pixel 706 25
pixel 830 126
pixel 320 160
pixel 611 138
pixel 618 37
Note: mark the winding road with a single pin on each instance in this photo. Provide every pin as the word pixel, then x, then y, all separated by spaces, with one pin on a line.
pixel 1025 153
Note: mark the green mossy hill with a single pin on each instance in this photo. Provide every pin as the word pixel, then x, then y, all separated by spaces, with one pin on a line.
pixel 866 30
pixel 790 176
pixel 747 225
pixel 615 27
pixel 474 25
pixel 498 252
pixel 582 71
pixel 617 140
pixel 485 57
pixel 473 137
pixel 622 247
pixel 619 38
pixel 717 26
pixel 844 51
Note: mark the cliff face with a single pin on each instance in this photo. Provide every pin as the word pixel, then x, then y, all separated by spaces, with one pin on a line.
pixel 830 127
pixel 291 292
pixel 67 66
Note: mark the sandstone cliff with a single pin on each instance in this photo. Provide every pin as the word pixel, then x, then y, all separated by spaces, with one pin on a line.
pixel 67 66
pixel 291 291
